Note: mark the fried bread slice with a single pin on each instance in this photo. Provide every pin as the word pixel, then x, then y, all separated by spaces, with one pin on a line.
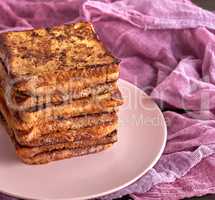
pixel 70 135
pixel 63 130
pixel 29 152
pixel 63 124
pixel 90 105
pixel 66 81
pixel 56 123
pixel 61 81
pixel 46 154
pixel 42 50
pixel 24 101
pixel 56 155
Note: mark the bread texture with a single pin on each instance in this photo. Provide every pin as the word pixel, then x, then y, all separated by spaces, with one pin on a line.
pixel 58 92
pixel 59 81
pixel 62 130
pixel 29 152
pixel 56 155
pixel 97 104
pixel 49 153
pixel 70 135
pixel 21 101
pixel 51 49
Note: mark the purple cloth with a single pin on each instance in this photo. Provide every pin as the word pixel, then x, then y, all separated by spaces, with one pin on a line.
pixel 167 48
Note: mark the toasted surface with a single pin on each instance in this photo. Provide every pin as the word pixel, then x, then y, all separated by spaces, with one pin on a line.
pixel 64 81
pixel 67 130
pixel 70 135
pixel 44 50
pixel 53 124
pixel 56 155
pixel 90 105
pixel 61 81
pixel 58 92
pixel 23 101
pixel 29 152
pixel 63 124
pixel 94 104
pixel 55 94
pixel 62 130
pixel 60 124
pixel 43 155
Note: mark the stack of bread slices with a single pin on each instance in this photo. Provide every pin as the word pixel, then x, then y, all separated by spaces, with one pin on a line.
pixel 58 92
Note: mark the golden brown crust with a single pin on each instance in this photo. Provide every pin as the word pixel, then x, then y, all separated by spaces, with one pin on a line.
pixel 29 152
pixel 108 114
pixel 45 158
pixel 95 104
pixel 71 135
pixel 58 92
pixel 62 131
pixel 65 81
pixel 44 50
pixel 24 101
pixel 24 94
pixel 46 154
pixel 59 81
pixel 63 124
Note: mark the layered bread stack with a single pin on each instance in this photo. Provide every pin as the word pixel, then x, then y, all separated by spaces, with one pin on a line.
pixel 58 94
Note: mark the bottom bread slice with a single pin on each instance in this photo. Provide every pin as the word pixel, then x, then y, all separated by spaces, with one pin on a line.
pixel 49 153
pixel 47 157
pixel 30 152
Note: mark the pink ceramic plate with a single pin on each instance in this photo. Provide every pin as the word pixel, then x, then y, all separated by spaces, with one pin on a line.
pixel 142 137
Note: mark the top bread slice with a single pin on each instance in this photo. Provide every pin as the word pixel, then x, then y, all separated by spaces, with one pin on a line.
pixel 34 52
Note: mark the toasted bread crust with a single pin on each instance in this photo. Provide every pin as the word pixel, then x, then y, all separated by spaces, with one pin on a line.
pixel 29 152
pixel 46 154
pixel 56 155
pixel 62 81
pixel 44 50
pixel 97 104
pixel 58 92
pixel 63 130
pixel 23 102
pixel 65 81
pixel 66 130
pixel 70 135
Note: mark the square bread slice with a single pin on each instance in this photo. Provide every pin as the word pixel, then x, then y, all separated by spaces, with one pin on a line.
pixel 70 135
pixel 62 154
pixel 42 50
pixel 61 81
pixel 61 129
pixel 49 153
pixel 29 152
pixel 23 101
pixel 73 108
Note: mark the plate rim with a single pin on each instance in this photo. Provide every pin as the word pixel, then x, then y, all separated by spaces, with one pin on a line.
pixel 156 159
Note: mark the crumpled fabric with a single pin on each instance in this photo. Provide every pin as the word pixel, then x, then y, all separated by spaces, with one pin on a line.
pixel 167 49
